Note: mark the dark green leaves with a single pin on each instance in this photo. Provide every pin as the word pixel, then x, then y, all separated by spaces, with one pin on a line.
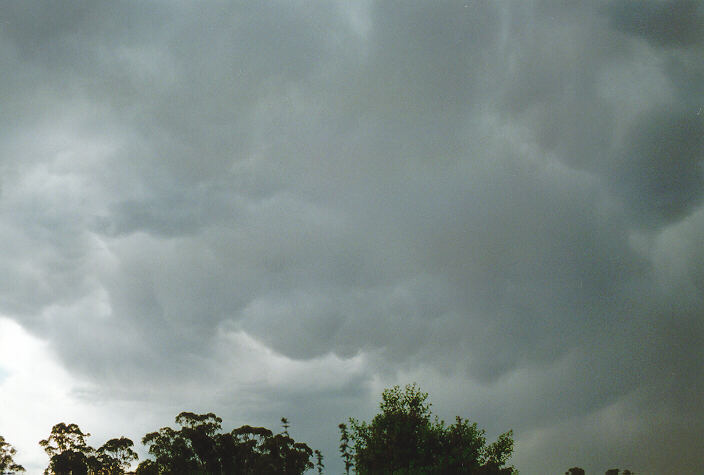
pixel 403 438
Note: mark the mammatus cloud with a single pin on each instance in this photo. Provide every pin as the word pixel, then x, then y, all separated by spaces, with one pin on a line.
pixel 271 210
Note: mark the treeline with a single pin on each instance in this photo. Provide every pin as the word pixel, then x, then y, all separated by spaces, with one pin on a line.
pixel 404 438
pixel 196 447
pixel 612 471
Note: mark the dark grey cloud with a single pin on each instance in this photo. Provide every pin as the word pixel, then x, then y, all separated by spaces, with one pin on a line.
pixel 268 209
pixel 672 23
pixel 660 170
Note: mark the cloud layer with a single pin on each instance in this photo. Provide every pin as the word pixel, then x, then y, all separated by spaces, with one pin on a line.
pixel 278 209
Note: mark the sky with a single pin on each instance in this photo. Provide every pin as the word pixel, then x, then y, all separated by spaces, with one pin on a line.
pixel 267 209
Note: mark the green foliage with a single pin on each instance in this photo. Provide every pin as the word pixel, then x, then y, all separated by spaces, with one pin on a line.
pixel 345 449
pixel 198 448
pixel 403 439
pixel 7 462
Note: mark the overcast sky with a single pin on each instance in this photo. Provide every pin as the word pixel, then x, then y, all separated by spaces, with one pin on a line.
pixel 278 208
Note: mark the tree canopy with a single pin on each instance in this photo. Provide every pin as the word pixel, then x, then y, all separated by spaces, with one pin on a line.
pixel 199 448
pixel 404 439
pixel 70 454
pixel 7 462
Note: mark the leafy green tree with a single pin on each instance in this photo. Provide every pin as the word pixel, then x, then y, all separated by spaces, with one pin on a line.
pixel 404 439
pixel 497 453
pixel 7 453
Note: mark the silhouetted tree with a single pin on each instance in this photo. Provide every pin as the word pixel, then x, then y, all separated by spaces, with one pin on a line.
pixel 7 462
pixel 282 455
pixel 575 471
pixel 66 446
pixel 69 462
pixel 199 430
pixel 404 439
pixel 345 449
pixel 114 457
pixel 198 448
pixel 319 461
pixel 148 467
pixel 171 451
pixel 248 447
pixel 70 454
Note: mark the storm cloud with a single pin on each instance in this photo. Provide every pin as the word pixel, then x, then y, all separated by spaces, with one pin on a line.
pixel 275 208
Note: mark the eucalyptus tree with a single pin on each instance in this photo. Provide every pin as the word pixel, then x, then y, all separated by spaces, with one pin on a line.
pixel 67 449
pixel 7 454
pixel 199 447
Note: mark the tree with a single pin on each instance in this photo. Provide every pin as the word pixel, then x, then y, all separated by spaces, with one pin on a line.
pixel 65 437
pixel 247 449
pixel 403 438
pixel 282 455
pixel 148 467
pixel 497 453
pixel 69 462
pixel 7 453
pixel 345 449
pixel 199 447
pixel 575 471
pixel 67 448
pixel 199 430
pixel 319 461
pixel 115 456
pixel 171 451
pixel 70 454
